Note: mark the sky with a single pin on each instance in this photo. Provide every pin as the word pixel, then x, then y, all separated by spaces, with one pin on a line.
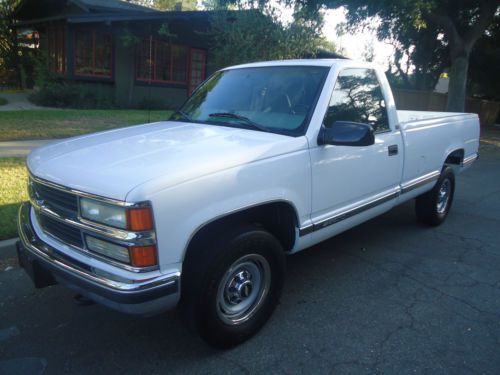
pixel 353 45
pixel 350 45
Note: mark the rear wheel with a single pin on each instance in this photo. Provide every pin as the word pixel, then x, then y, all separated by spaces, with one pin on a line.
pixel 239 284
pixel 433 207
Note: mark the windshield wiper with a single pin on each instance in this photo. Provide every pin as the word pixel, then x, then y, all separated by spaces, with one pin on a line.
pixel 241 118
pixel 183 114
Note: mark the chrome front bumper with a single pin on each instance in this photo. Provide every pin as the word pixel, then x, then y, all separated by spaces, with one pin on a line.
pixel 147 295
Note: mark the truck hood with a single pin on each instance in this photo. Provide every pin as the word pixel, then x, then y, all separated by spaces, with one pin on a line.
pixel 112 163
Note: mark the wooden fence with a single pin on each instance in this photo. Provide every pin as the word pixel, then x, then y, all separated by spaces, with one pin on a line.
pixel 432 101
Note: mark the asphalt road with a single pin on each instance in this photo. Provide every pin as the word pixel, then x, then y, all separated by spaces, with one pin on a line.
pixel 388 297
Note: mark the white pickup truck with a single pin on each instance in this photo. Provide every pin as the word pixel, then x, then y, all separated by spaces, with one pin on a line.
pixel 263 160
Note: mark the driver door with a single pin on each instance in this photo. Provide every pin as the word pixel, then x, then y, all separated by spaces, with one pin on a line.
pixel 349 180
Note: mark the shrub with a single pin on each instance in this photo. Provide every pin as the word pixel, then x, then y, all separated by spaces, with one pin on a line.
pixel 69 95
pixel 3 101
pixel 154 103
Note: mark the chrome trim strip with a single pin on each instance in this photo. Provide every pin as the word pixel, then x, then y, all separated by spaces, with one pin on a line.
pixel 89 195
pixel 347 214
pixel 419 181
pixel 48 253
pixel 469 160
pixel 308 229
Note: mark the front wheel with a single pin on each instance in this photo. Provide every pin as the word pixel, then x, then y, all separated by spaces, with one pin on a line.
pixel 240 282
pixel 433 207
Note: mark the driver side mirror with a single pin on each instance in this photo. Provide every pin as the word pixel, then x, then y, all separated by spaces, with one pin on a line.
pixel 346 133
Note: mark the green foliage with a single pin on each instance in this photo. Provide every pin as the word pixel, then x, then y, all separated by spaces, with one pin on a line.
pixel 167 4
pixel 69 95
pixel 12 192
pixel 129 39
pixel 484 80
pixel 3 101
pixel 9 58
pixel 155 104
pixel 433 33
pixel 259 34
pixel 43 77
pixel 165 32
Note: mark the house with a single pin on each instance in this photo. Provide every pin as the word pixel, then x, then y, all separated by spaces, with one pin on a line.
pixel 125 51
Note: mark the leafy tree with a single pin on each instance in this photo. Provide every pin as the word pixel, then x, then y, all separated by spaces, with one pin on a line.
pixel 459 23
pixel 167 4
pixel 484 80
pixel 9 57
pixel 260 34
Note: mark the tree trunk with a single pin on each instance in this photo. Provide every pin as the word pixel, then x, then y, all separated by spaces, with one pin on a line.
pixel 458 83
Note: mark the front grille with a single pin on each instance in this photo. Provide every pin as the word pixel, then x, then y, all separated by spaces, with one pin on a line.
pixel 60 201
pixel 62 231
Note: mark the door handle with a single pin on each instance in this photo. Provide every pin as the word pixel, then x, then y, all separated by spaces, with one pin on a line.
pixel 392 150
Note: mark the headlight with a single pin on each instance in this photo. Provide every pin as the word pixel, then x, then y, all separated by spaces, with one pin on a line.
pixel 103 213
pixel 137 256
pixel 108 249
pixel 136 219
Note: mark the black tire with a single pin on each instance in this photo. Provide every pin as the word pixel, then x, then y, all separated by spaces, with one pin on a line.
pixel 433 207
pixel 247 259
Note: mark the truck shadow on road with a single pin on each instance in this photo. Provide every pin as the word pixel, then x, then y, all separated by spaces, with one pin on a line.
pixel 342 299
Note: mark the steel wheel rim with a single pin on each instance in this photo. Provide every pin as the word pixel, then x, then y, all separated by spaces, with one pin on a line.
pixel 243 289
pixel 443 196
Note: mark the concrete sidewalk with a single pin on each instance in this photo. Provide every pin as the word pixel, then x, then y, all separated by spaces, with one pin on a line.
pixel 18 101
pixel 10 149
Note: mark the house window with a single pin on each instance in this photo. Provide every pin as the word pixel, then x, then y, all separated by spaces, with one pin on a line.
pixel 198 63
pixel 162 62
pixel 56 40
pixel 93 54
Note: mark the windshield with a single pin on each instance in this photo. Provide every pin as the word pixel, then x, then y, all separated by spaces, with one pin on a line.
pixel 277 99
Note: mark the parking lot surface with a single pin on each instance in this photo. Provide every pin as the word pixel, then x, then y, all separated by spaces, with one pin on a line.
pixel 388 297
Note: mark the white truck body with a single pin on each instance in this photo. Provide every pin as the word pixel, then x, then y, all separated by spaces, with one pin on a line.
pixel 194 174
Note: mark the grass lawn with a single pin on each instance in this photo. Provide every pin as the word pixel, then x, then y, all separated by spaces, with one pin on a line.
pixel 3 101
pixel 13 191
pixel 46 124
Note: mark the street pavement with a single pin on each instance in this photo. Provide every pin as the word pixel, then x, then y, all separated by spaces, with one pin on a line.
pixel 388 297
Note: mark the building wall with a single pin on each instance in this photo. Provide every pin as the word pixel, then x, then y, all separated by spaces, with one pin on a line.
pixel 122 87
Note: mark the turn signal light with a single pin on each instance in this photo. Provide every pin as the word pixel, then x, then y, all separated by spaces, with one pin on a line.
pixel 143 256
pixel 139 219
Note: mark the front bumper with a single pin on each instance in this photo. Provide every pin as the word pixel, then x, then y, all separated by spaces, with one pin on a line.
pixel 46 265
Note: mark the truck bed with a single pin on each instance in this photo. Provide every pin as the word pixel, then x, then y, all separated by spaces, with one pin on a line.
pixel 410 116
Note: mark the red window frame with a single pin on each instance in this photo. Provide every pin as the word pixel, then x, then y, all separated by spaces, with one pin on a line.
pixel 96 37
pixel 196 77
pixel 56 48
pixel 155 57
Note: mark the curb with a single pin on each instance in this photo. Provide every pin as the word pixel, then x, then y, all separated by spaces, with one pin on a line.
pixel 8 248
pixel 8 243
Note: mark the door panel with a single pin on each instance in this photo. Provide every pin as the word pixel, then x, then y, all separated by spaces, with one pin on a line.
pixel 343 176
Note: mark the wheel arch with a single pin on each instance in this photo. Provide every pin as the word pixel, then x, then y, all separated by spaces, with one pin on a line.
pixel 278 217
pixel 454 159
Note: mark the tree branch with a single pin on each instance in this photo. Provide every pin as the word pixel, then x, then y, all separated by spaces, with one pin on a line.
pixel 487 13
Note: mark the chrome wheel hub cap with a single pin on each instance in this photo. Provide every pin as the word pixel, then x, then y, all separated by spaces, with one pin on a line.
pixel 243 289
pixel 443 196
pixel 239 288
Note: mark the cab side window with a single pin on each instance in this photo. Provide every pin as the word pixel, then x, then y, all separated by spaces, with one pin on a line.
pixel 357 97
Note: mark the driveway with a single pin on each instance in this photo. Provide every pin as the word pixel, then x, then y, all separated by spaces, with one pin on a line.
pixel 388 297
